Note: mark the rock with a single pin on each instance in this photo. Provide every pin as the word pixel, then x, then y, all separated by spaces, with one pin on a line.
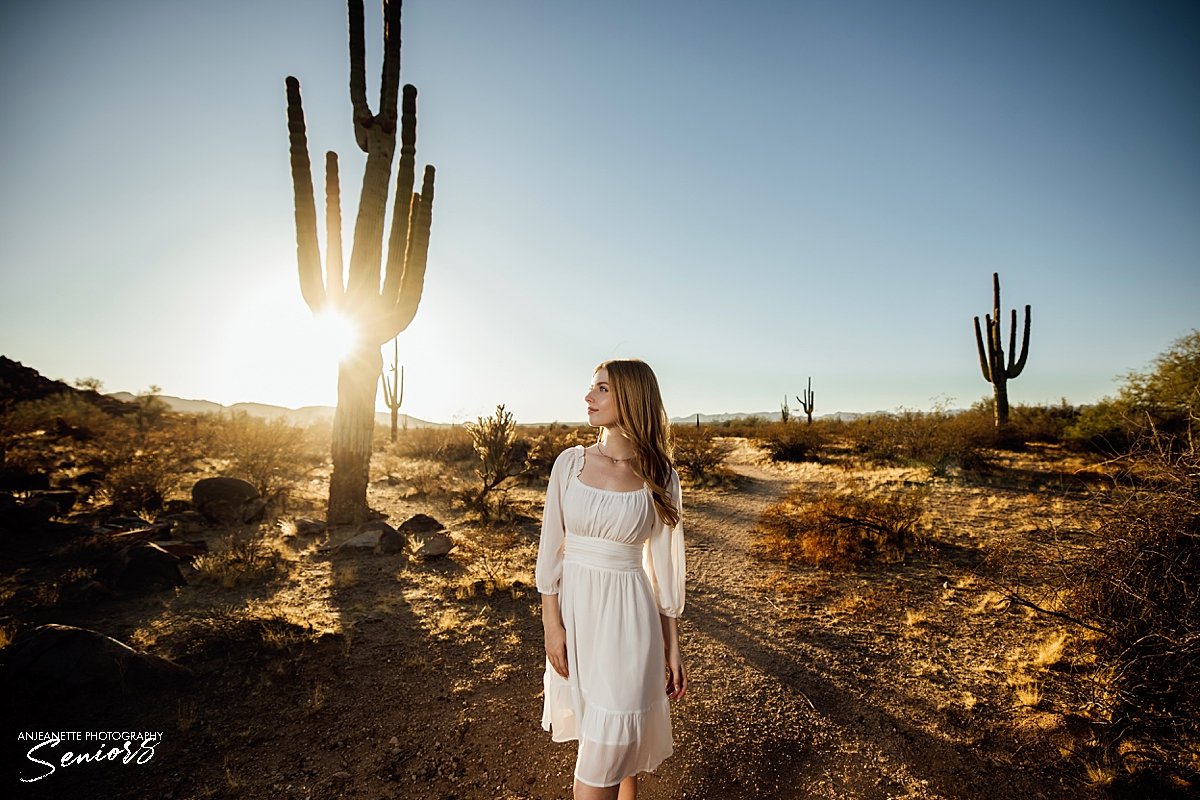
pixel 185 550
pixel 430 545
pixel 361 541
pixel 14 479
pixel 146 533
pixel 391 541
pixel 186 523
pixel 227 501
pixel 309 527
pixel 62 657
pixel 85 591
pixel 427 538
pixel 140 566
pixel 63 499
pixel 421 523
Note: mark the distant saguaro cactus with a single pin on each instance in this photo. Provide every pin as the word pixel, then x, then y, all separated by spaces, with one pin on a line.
pixel 785 413
pixel 807 402
pixel 393 393
pixel 379 313
pixel 995 371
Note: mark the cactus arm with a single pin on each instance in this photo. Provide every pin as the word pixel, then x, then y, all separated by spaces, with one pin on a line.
pixel 389 82
pixel 308 252
pixel 983 359
pixel 413 281
pixel 334 281
pixel 401 213
pixel 1014 371
pixel 400 397
pixel 1012 343
pixel 358 74
pixel 387 390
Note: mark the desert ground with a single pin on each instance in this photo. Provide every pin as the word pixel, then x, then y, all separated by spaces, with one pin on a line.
pixel 361 674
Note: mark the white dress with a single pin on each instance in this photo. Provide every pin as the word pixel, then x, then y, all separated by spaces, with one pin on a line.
pixel 615 567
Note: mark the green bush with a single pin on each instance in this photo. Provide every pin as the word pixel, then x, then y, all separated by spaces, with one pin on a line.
pixel 544 444
pixel 792 441
pixel 939 438
pixel 1161 400
pixel 501 456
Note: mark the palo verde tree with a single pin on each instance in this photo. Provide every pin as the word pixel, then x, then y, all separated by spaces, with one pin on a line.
pixel 379 313
pixel 995 371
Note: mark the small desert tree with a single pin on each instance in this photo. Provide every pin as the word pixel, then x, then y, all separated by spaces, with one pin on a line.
pixel 495 441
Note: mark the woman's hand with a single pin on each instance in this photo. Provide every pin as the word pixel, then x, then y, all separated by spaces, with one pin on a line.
pixel 556 647
pixel 676 674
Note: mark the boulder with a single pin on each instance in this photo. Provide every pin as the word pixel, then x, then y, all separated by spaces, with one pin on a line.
pixel 62 657
pixel 372 535
pixel 427 538
pixel 63 499
pixel 186 523
pixel 140 566
pixel 421 523
pixel 430 545
pixel 227 501
pixel 308 527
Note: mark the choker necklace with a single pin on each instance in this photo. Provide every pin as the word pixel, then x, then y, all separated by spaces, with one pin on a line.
pixel 600 449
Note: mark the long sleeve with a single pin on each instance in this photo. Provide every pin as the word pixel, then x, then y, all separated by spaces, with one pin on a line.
pixel 548 575
pixel 663 559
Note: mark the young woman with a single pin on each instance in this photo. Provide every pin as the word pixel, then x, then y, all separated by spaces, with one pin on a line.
pixel 610 570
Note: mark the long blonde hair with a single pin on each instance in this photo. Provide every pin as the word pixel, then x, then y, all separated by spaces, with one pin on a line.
pixel 643 419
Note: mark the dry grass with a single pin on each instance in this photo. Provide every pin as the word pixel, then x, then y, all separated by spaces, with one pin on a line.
pixel 1049 652
pixel 242 560
pixel 844 528
pixel 1028 694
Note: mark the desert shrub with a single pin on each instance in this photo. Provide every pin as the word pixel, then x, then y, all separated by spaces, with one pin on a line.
pixel 792 441
pixel 273 455
pixel 449 444
pixel 501 456
pixel 1139 586
pixel 239 560
pixel 64 414
pixel 139 472
pixel 940 439
pixel 700 455
pixel 845 528
pixel 546 442
pixel 748 427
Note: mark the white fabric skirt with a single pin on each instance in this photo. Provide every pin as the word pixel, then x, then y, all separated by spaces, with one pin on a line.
pixel 614 702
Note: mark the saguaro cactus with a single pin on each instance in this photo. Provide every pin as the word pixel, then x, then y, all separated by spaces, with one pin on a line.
pixel 991 361
pixel 807 401
pixel 785 413
pixel 379 313
pixel 393 393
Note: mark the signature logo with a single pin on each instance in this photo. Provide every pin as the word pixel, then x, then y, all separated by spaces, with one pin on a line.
pixel 123 746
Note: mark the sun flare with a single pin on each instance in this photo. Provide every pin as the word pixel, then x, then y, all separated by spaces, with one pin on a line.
pixel 337 333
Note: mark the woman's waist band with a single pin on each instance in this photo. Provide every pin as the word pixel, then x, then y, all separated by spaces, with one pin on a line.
pixel 596 552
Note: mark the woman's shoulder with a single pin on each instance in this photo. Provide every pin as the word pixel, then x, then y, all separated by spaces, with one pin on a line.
pixel 571 454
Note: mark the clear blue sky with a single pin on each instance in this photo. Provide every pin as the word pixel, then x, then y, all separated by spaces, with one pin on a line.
pixel 743 194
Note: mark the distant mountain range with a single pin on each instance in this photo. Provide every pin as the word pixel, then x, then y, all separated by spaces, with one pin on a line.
pixel 19 383
pixel 308 415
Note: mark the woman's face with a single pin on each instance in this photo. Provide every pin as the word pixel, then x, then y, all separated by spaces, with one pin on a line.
pixel 601 409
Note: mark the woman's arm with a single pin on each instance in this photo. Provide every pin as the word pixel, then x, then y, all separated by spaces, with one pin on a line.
pixel 556 634
pixel 677 677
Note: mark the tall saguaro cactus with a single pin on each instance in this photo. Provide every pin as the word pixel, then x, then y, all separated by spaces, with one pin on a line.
pixel 379 313
pixel 807 401
pixel 991 361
